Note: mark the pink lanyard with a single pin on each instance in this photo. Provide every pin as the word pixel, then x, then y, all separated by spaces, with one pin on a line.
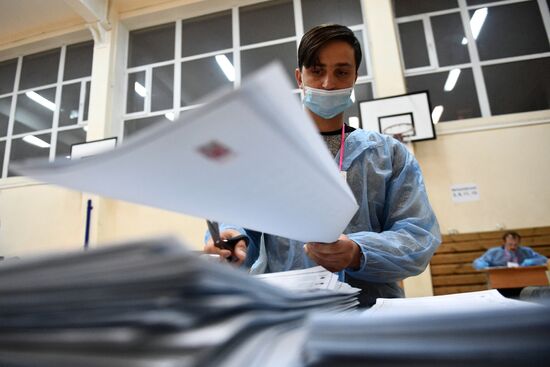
pixel 342 146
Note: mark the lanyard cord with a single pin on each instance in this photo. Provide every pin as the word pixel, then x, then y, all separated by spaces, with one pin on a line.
pixel 342 146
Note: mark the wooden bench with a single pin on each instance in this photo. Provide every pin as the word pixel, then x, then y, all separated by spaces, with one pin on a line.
pixel 451 265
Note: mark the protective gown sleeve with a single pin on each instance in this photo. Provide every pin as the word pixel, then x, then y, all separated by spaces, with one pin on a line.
pixel 533 258
pixel 410 233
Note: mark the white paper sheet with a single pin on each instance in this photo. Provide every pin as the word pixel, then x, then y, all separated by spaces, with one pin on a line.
pixel 445 304
pixel 307 280
pixel 250 157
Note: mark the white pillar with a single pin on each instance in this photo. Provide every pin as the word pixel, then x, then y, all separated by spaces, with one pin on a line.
pixel 389 80
pixel 106 101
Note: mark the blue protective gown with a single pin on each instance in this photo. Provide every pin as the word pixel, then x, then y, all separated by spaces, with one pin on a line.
pixel 498 256
pixel 395 225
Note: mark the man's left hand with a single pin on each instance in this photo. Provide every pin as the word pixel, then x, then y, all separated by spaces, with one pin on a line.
pixel 335 256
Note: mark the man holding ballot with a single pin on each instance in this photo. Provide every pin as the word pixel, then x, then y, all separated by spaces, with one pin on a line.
pixel 394 233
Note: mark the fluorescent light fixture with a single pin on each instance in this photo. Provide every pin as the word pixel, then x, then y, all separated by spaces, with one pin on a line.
pixel 451 80
pixel 353 96
pixel 353 121
pixel 464 41
pixel 477 21
pixel 31 139
pixel 170 116
pixel 73 114
pixel 226 66
pixel 436 114
pixel 41 100
pixel 140 89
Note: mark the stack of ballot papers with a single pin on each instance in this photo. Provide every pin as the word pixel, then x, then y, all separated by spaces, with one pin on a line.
pixel 251 157
pixel 477 329
pixel 148 303
pixel 308 280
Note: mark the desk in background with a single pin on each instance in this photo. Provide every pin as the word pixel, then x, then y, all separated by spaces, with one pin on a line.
pixel 501 277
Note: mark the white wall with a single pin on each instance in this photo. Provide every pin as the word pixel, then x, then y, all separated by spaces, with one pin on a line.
pixel 510 167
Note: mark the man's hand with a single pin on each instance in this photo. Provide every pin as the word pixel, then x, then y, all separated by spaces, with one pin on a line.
pixel 240 248
pixel 335 256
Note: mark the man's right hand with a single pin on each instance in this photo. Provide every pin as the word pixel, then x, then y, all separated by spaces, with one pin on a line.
pixel 240 248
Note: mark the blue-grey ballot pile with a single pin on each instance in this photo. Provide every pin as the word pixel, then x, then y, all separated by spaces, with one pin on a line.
pixel 149 303
pixel 517 336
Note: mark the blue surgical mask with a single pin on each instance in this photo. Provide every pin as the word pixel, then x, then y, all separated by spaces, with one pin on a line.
pixel 327 103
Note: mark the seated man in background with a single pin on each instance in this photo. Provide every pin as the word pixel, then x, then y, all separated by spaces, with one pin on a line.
pixel 509 254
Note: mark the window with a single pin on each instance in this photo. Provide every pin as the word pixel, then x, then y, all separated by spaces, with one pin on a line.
pixel 172 67
pixel 477 58
pixel 43 103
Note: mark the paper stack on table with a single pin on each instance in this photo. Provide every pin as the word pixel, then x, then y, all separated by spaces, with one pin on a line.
pixel 478 329
pixel 149 303
pixel 251 157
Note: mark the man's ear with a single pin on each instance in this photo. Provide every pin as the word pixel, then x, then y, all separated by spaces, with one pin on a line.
pixel 298 76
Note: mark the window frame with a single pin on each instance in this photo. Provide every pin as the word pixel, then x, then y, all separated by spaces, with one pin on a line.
pixel 475 63
pixel 58 85
pixel 235 50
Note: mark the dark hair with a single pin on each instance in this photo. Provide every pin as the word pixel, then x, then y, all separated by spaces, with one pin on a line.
pixel 511 233
pixel 319 36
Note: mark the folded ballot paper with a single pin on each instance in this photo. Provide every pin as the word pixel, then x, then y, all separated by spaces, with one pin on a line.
pixel 149 303
pixel 250 157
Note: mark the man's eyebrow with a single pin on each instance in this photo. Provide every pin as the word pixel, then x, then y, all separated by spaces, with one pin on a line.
pixel 340 64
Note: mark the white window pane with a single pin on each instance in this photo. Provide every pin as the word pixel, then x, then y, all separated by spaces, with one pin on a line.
pixel 133 126
pixel 150 45
pixel 39 69
pixel 78 60
pixel 208 33
pixel 413 44
pixel 252 60
pixel 135 101
pixel 203 76
pixel 344 12
pixel 449 35
pixel 86 102
pixel 34 111
pixel 362 92
pixel 66 138
pixel 266 21
pixel 162 92
pixel 460 102
pixel 2 152
pixel 479 2
pixel 26 149
pixel 70 98
pixel 512 30
pixel 411 7
pixel 363 66
pixel 518 86
pixel 5 105
pixel 7 75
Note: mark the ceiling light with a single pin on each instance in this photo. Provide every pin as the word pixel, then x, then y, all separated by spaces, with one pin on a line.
pixel 140 89
pixel 31 139
pixel 41 100
pixel 436 114
pixel 477 21
pixel 226 66
pixel 451 80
